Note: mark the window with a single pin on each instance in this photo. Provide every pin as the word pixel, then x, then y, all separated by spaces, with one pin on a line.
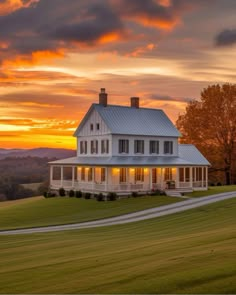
pixel 123 146
pixel 90 174
pixel 123 175
pixel 139 146
pixel 83 174
pixel 181 174
pixel 91 127
pixel 168 147
pixel 103 174
pixel 83 147
pixel 168 174
pixel 105 146
pixel 139 174
pixel 154 175
pixel 154 147
pixel 97 126
pixel 94 146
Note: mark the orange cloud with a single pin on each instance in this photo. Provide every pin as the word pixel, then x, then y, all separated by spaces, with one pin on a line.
pixel 163 24
pixel 141 50
pixel 110 37
pixel 36 58
pixel 9 6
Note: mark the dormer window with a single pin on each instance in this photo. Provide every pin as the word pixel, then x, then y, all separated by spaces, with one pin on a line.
pixel 98 126
pixel 91 127
pixel 94 147
pixel 168 147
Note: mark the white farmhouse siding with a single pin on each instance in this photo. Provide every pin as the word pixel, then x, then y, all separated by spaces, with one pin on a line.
pixel 114 153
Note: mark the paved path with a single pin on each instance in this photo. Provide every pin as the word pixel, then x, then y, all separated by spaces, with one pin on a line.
pixel 131 217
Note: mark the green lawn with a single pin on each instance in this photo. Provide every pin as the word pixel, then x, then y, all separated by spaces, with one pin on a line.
pixel 213 190
pixel 193 252
pixel 42 212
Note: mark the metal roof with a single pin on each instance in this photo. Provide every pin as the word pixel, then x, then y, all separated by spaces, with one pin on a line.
pixel 133 121
pixel 189 156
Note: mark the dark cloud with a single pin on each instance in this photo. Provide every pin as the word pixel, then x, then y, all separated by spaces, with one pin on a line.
pixel 226 38
pixel 169 98
pixel 48 25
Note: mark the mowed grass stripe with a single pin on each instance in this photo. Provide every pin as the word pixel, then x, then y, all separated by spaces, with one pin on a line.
pixel 43 212
pixel 188 252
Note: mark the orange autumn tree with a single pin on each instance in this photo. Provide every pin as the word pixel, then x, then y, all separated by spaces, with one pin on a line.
pixel 210 124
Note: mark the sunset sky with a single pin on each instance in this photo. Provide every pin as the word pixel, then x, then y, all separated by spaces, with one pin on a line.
pixel 55 55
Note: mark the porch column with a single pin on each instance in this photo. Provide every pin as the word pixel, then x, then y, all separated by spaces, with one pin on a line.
pixel 177 177
pixel 162 187
pixel 106 177
pixel 73 176
pixel 206 177
pixel 202 176
pixel 150 178
pixel 62 176
pixel 51 174
pixel 191 176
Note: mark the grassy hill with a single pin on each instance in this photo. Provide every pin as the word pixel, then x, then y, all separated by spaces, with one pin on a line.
pixel 38 211
pixel 192 252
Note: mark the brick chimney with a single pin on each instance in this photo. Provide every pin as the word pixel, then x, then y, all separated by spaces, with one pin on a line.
pixel 103 97
pixel 134 102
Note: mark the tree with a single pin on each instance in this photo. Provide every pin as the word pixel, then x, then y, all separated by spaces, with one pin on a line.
pixel 210 124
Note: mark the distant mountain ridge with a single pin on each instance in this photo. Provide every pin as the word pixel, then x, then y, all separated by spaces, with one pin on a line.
pixel 58 153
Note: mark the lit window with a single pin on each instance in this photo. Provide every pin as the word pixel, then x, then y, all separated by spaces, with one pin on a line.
pixel 90 174
pixel 123 146
pixel 154 147
pixel 168 147
pixel 139 146
pixel 123 177
pixel 139 174
pixel 82 174
pixel 168 174
pixel 103 174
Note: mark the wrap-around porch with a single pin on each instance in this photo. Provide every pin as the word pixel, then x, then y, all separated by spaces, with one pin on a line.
pixel 127 179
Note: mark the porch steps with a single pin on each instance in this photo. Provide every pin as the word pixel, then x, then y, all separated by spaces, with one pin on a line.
pixel 177 192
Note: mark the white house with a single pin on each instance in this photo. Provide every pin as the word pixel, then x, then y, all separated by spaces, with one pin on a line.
pixel 129 149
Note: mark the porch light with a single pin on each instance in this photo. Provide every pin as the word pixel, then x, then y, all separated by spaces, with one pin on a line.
pixel 145 169
pixel 131 169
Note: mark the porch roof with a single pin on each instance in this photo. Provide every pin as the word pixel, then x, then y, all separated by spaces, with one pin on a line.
pixel 188 156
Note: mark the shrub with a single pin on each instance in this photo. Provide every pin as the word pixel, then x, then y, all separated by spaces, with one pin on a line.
pixel 87 196
pixel 99 197
pixel 49 195
pixel 134 194
pixel 71 193
pixel 219 184
pixel 62 192
pixel 78 194
pixel 112 196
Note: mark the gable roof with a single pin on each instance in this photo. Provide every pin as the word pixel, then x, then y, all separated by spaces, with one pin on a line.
pixel 133 121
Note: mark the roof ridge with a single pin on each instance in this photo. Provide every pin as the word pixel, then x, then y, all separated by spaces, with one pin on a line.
pixel 128 107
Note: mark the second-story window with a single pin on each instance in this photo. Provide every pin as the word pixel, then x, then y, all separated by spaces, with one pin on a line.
pixel 83 147
pixel 154 147
pixel 139 146
pixel 94 147
pixel 105 146
pixel 168 147
pixel 123 146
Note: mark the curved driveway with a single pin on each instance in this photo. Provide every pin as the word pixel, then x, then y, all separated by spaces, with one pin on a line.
pixel 131 217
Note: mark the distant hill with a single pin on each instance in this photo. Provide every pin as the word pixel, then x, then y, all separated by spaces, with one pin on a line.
pixel 37 152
